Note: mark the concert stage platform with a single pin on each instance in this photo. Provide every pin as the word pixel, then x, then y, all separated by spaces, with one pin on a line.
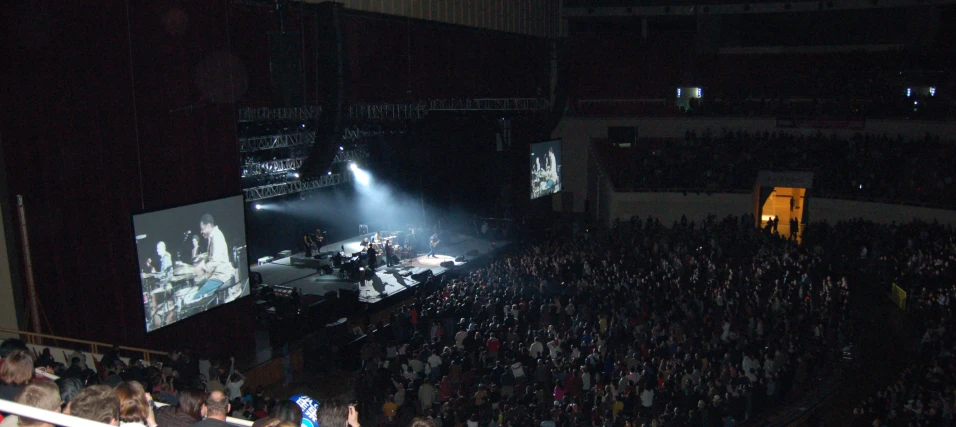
pixel 299 271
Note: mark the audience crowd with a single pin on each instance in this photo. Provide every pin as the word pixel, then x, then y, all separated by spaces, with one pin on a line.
pixel 708 324
pixel 920 258
pixel 697 324
pixel 864 166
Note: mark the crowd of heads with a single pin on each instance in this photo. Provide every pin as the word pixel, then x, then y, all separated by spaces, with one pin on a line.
pixel 683 324
pixel 181 390
pixel 863 166
pixel 689 324
pixel 920 258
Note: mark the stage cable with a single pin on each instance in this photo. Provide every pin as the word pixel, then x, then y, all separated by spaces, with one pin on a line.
pixel 132 79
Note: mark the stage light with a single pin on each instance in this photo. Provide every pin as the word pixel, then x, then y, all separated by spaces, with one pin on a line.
pixel 295 174
pixel 258 206
pixel 340 148
pixel 361 176
pixel 329 173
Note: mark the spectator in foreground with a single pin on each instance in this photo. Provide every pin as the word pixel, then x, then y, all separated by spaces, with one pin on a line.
pixel 16 373
pixel 216 409
pixel 41 395
pixel 187 412
pixel 135 408
pixel 422 422
pixel 287 410
pixel 338 414
pixel 96 403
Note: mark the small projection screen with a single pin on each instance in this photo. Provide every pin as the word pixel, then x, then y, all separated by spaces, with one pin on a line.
pixel 545 168
pixel 191 259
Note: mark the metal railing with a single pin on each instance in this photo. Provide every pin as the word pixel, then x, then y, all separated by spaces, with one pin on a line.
pixel 37 339
pixel 59 419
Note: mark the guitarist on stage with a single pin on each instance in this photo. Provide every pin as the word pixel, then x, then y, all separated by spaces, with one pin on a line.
pixel 433 243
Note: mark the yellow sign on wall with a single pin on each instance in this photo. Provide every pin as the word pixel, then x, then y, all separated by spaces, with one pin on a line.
pixel 898 296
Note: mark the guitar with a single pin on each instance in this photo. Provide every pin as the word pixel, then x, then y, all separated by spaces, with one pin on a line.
pixel 434 243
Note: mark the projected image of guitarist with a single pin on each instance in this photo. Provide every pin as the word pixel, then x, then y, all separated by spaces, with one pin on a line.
pixel 433 243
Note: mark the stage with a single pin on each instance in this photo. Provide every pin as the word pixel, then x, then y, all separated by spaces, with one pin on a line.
pixel 300 272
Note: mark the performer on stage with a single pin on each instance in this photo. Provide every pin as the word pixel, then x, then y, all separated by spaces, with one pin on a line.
pixel 372 259
pixel 389 253
pixel 216 269
pixel 433 243
pixel 165 263
pixel 195 254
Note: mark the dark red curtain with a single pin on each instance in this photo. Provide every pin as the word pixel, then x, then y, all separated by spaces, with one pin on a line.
pixel 110 110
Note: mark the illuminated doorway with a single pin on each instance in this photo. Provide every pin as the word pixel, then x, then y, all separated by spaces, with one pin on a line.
pixel 782 196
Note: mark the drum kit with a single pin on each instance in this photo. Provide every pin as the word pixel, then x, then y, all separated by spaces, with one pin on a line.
pixel 177 298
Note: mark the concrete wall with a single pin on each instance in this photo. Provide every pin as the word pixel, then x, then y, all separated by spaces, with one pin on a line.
pixel 578 132
pixel 670 206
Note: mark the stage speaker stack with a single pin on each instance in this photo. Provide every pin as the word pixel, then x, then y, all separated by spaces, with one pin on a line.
pixel 448 264
pixel 331 73
pixel 285 63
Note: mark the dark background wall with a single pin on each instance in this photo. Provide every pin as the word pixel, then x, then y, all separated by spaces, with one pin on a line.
pixel 110 108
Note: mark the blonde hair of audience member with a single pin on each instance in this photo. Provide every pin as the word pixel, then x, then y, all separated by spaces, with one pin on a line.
pixel 337 414
pixel 41 395
pixel 134 405
pixel 95 403
pixel 17 368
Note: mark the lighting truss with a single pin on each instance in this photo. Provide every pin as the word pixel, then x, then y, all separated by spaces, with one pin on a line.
pixel 276 190
pixel 353 133
pixel 491 104
pixel 271 166
pixel 354 154
pixel 418 110
pixel 256 168
pixel 259 143
pixel 276 114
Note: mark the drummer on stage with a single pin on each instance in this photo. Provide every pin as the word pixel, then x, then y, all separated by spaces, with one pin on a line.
pixel 216 269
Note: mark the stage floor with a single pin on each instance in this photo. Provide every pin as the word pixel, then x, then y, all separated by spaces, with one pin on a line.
pixel 387 281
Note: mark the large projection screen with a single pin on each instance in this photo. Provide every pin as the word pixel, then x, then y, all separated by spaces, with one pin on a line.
pixel 191 259
pixel 545 168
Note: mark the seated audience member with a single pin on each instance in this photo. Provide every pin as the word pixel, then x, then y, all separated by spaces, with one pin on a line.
pixel 337 414
pixel 9 345
pixel 135 409
pixel 216 409
pixel 16 373
pixel 187 412
pixel 69 388
pixel 42 395
pixel 98 403
pixel 75 370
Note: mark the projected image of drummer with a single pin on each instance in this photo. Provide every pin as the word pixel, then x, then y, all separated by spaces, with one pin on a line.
pixel 185 272
pixel 214 271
